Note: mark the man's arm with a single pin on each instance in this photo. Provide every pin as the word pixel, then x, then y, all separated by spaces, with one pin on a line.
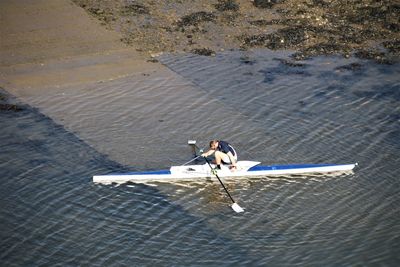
pixel 208 153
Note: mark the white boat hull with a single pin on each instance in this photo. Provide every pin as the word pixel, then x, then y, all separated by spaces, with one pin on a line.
pixel 244 169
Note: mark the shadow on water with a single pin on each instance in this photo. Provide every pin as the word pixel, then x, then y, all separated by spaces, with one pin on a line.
pixel 52 213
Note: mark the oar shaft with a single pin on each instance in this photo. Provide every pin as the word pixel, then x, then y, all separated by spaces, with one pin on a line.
pixel 226 190
pixel 191 160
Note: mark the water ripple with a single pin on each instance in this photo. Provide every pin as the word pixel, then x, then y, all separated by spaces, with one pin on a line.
pixel 53 214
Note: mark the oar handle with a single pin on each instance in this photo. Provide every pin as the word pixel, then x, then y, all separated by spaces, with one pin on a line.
pixel 215 173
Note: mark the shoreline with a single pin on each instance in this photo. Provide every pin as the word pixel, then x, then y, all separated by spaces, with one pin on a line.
pixel 62 43
pixel 364 29
pixel 51 44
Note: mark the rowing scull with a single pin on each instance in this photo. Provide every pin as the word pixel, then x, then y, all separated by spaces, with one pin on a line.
pixel 245 169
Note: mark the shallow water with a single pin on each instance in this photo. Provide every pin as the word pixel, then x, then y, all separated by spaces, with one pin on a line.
pixel 270 110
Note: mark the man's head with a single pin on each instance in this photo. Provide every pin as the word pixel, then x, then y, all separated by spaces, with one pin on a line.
pixel 214 144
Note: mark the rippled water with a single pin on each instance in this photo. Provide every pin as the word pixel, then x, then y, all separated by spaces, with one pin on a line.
pixel 329 109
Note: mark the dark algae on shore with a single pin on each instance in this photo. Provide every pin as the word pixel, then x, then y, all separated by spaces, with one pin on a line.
pixel 6 104
pixel 367 29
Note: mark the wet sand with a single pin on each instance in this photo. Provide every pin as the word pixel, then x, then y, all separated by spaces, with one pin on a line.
pixel 49 44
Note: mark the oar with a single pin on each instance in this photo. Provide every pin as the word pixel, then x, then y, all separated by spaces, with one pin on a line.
pixel 234 206
pixel 192 143
pixel 191 160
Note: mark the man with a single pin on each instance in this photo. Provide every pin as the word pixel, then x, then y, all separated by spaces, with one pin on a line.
pixel 224 153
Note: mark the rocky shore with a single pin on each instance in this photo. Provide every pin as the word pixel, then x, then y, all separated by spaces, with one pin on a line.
pixel 368 29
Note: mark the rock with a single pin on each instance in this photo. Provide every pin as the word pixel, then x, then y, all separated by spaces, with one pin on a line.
pixel 227 5
pixel 203 51
pixel 134 9
pixel 393 46
pixel 10 107
pixel 266 3
pixel 195 18
pixel 350 67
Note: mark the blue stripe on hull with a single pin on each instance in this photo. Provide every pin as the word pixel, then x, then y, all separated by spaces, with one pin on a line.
pixel 287 167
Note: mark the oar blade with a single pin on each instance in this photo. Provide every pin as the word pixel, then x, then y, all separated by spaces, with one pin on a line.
pixel 237 208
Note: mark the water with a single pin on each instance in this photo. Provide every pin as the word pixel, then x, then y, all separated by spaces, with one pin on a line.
pixel 52 214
